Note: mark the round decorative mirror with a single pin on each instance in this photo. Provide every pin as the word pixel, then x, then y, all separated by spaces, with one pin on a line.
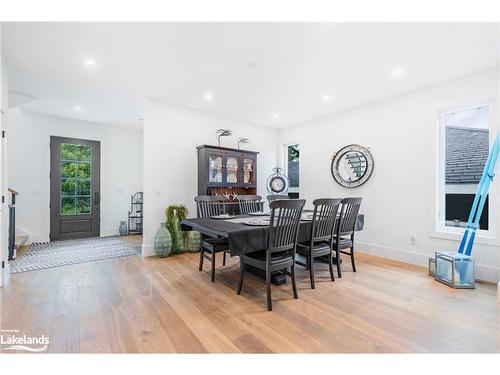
pixel 352 166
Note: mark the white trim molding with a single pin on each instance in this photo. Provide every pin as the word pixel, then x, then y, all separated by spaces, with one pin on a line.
pixel 147 250
pixel 483 272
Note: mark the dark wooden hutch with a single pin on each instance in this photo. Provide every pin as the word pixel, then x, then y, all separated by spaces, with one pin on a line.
pixel 227 171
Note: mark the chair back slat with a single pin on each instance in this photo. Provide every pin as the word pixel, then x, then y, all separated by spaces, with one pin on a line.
pixel 348 216
pixel 249 203
pixel 324 219
pixel 210 205
pixel 271 198
pixel 284 224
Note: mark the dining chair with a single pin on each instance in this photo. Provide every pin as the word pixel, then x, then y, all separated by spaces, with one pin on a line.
pixel 208 206
pixel 322 235
pixel 271 198
pixel 346 227
pixel 283 232
pixel 249 203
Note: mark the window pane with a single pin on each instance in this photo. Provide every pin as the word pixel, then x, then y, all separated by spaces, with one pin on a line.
pixel 83 205
pixel 83 170
pixel 68 187
pixel 293 167
pixel 83 152
pixel 466 151
pixel 68 206
pixel 82 187
pixel 67 151
pixel 68 169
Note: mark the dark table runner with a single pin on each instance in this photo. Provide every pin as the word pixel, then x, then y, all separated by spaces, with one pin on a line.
pixel 244 238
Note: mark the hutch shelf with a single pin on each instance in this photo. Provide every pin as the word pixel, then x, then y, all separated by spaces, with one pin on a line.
pixel 227 171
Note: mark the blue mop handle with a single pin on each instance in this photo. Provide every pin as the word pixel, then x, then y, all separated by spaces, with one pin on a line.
pixel 480 199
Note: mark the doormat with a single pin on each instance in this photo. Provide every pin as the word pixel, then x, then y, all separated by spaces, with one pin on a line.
pixel 63 253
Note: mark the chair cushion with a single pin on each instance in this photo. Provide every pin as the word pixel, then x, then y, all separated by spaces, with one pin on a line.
pixel 258 259
pixel 215 244
pixel 319 249
pixel 262 255
pixel 344 243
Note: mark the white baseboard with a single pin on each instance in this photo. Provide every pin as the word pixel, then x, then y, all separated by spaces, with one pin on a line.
pixel 109 232
pixel 483 272
pixel 148 250
pixel 39 238
pixel 45 237
pixel 6 274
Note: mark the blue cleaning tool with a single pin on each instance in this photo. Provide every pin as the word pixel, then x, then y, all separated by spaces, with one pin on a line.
pixel 480 199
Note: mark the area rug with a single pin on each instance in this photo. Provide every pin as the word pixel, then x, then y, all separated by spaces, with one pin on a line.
pixel 63 253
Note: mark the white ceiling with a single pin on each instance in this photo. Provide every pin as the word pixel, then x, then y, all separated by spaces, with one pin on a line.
pixel 253 70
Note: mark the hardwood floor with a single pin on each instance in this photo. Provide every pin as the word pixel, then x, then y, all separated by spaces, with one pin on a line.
pixel 157 305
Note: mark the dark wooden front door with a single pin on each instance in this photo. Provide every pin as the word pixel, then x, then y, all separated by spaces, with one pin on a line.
pixel 74 188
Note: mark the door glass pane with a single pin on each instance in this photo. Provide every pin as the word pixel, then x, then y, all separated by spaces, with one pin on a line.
pixel 68 206
pixel 215 168
pixel 248 172
pixel 82 187
pixel 83 204
pixel 68 186
pixel 76 177
pixel 67 169
pixel 232 169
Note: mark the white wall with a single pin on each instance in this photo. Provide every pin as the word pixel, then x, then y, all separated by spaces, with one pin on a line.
pixel 171 135
pixel 399 201
pixel 29 166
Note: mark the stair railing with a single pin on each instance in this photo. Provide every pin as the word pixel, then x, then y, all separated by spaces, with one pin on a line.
pixel 12 223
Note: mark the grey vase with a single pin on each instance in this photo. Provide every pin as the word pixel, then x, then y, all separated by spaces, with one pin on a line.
pixel 123 228
pixel 163 242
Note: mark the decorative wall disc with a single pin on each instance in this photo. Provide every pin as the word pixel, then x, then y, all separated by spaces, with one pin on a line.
pixel 352 166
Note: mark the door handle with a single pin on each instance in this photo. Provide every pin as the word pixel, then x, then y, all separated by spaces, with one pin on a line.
pixel 97 198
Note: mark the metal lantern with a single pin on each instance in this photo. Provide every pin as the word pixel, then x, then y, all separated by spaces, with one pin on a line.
pixel 277 183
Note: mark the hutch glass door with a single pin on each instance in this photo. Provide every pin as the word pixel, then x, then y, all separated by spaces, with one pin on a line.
pixel 248 171
pixel 214 168
pixel 232 162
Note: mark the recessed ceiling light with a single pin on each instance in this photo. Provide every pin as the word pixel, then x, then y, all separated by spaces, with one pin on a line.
pixel 325 98
pixel 208 96
pixel 89 62
pixel 398 72
pixel 276 115
pixel 77 108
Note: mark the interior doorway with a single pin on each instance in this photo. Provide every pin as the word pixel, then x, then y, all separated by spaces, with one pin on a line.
pixel 74 188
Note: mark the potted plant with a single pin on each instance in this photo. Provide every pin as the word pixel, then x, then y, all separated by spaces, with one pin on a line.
pixel 175 214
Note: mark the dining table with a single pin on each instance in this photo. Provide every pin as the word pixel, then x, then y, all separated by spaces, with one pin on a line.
pixel 243 238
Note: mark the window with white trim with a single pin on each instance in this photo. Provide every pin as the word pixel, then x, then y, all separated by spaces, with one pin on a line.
pixel 292 169
pixel 464 149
